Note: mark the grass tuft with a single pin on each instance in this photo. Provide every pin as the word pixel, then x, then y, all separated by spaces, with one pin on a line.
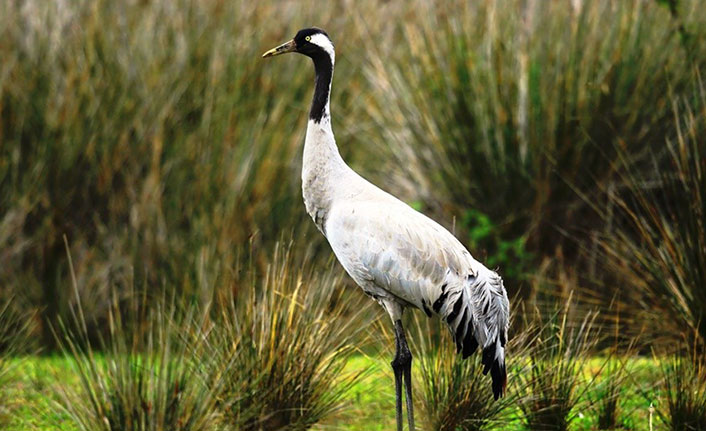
pixel 455 393
pixel 684 388
pixel 145 378
pixel 288 334
pixel 553 387
pixel 609 393
pixel 659 248
pixel 515 109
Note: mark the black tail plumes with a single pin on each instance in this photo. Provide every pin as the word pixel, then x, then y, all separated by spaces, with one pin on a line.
pixel 477 312
pixel 496 366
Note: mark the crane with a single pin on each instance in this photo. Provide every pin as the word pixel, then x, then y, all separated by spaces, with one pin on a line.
pixel 397 255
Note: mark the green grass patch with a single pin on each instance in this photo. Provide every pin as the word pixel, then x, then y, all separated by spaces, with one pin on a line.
pixel 369 403
pixel 33 393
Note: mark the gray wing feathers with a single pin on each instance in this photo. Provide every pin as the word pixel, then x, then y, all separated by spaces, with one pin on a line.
pixel 395 252
pixel 396 249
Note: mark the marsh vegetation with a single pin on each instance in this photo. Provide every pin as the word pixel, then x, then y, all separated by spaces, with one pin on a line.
pixel 158 270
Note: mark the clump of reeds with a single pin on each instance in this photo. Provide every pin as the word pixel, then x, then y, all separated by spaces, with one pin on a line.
pixel 684 392
pixel 13 330
pixel 268 355
pixel 553 386
pixel 151 135
pixel 288 334
pixel 515 109
pixel 612 385
pixel 610 391
pixel 148 375
pixel 658 248
pixel 455 395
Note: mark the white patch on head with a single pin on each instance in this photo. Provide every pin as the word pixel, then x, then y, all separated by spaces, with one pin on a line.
pixel 324 42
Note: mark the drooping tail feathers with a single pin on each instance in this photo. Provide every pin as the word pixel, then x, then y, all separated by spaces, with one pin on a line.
pixel 478 313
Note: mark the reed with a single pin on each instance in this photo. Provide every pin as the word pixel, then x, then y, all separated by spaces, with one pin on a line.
pixel 553 389
pixel 288 334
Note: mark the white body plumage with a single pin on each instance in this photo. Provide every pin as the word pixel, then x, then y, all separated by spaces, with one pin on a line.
pixel 395 254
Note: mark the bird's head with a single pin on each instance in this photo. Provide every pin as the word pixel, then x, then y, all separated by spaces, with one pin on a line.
pixel 309 41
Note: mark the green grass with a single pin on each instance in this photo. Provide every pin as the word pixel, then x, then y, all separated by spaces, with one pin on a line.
pixel 33 393
pixel 369 403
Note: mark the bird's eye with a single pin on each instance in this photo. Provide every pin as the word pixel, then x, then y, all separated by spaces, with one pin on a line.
pixel 308 38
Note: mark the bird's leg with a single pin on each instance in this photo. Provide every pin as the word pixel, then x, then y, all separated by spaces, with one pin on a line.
pixel 402 367
pixel 397 369
pixel 407 374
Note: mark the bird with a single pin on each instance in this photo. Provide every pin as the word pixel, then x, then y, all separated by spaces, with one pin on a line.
pixel 397 255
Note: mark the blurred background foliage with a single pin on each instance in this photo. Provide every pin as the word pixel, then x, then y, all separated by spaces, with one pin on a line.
pixel 562 142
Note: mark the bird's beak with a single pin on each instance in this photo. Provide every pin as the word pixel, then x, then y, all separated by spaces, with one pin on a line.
pixel 282 49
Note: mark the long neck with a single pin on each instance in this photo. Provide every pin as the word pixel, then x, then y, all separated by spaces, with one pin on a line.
pixel 323 169
pixel 320 146
pixel 323 65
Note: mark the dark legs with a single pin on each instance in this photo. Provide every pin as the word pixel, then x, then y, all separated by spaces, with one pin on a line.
pixel 402 367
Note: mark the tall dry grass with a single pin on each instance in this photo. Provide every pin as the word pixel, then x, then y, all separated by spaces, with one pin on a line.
pixel 684 388
pixel 552 391
pixel 659 251
pixel 515 109
pixel 287 335
pixel 142 378
pixel 150 134
pixel 267 356
pixel 454 393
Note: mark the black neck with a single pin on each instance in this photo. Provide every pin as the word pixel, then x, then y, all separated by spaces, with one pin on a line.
pixel 324 73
